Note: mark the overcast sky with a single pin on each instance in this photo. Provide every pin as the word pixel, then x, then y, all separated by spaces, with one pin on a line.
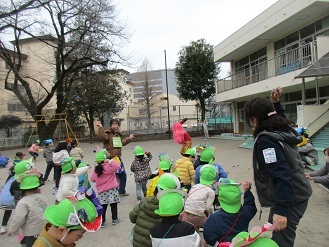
pixel 158 25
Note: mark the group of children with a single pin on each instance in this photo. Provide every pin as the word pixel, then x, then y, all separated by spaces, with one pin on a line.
pixel 182 198
pixel 66 218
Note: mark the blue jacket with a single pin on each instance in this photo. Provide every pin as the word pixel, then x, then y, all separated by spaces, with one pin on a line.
pixel 221 173
pixel 220 222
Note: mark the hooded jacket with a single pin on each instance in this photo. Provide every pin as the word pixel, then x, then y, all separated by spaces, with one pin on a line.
pixel 145 218
pixel 278 171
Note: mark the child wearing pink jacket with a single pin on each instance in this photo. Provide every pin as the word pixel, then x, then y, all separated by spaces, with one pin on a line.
pixel 107 185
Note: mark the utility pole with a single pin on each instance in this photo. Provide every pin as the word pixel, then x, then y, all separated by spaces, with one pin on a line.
pixel 169 130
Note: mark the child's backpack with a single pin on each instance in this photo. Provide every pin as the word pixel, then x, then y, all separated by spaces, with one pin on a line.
pixel 3 161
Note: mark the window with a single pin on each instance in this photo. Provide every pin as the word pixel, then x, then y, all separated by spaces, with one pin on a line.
pixel 322 24
pixel 174 108
pixel 142 111
pixel 307 31
pixel 15 107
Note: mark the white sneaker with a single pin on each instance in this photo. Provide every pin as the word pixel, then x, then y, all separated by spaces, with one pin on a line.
pixel 3 229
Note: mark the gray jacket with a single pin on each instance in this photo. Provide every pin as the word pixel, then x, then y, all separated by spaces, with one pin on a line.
pixel 48 153
pixel 321 175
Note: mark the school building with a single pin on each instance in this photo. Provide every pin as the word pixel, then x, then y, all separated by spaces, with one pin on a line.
pixel 287 45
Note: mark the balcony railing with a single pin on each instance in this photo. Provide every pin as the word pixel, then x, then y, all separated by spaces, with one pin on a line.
pixel 283 62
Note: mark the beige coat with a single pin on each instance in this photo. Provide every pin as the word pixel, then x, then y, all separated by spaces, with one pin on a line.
pixel 28 215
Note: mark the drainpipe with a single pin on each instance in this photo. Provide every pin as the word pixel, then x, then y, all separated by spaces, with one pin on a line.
pixel 303 92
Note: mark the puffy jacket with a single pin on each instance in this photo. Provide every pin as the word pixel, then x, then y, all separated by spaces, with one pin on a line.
pixel 48 153
pixel 152 186
pixel 28 215
pixel 144 217
pixel 107 180
pixel 185 170
pixel 107 137
pixel 69 183
pixel 76 153
pixel 278 171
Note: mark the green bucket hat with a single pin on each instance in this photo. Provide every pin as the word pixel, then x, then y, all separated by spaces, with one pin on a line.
pixel 207 155
pixel 190 151
pixel 82 164
pixel 164 165
pixel 244 239
pixel 208 174
pixel 29 182
pixel 25 167
pixel 168 181
pixel 163 156
pixel 100 156
pixel 170 204
pixel 229 196
pixel 73 217
pixel 37 141
pixel 68 165
pixel 139 150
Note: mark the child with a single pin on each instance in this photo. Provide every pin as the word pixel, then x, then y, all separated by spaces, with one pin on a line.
pixel 164 167
pixel 83 179
pixel 59 155
pixel 185 168
pixel 142 170
pixel 207 157
pixel 18 158
pixel 34 149
pixel 172 231
pixel 107 185
pixel 143 215
pixel 7 200
pixel 306 150
pixel 76 152
pixel 48 155
pixel 233 218
pixel 199 201
pixel 64 226
pixel 3 161
pixel 69 181
pixel 28 214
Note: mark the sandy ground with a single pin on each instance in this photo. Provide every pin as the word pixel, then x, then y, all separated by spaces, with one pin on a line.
pixel 236 161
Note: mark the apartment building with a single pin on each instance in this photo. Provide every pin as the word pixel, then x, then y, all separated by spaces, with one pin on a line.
pixel 38 63
pixel 274 49
pixel 153 84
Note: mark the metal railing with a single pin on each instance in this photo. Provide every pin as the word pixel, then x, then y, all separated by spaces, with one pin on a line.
pixel 283 62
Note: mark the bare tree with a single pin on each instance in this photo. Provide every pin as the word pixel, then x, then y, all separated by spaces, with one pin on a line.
pixel 81 34
pixel 148 90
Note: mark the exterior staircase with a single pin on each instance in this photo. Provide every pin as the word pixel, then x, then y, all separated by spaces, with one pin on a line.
pixel 321 139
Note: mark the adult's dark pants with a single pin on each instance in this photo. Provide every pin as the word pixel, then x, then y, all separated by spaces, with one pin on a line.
pixel 50 166
pixel 286 237
pixel 57 174
pixel 6 217
pixel 122 179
